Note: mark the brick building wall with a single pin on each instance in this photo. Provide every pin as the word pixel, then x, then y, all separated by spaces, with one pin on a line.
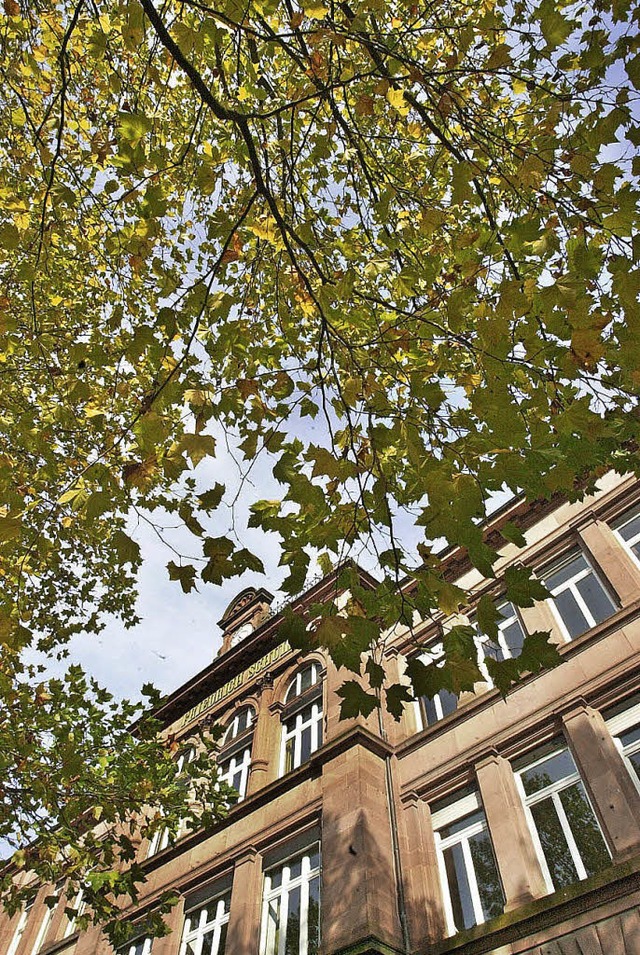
pixel 472 825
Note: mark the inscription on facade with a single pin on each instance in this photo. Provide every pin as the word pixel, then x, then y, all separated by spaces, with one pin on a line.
pixel 235 682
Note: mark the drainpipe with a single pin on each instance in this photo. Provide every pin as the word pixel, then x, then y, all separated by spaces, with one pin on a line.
pixel 393 822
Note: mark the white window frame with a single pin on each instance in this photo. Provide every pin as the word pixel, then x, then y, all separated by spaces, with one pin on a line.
pixel 282 892
pixel 621 522
pixel 501 640
pixel 47 918
pixel 300 725
pixel 444 817
pixel 16 938
pixel 296 682
pixel 554 790
pixel 79 904
pixel 231 731
pixel 130 947
pixel 240 760
pixel 569 585
pixel 434 654
pixel 204 926
pixel 620 723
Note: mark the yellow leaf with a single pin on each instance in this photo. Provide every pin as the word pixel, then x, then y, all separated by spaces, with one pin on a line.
pixel 396 98
pixel 316 12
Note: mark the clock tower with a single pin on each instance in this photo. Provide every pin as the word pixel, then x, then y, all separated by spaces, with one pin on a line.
pixel 245 613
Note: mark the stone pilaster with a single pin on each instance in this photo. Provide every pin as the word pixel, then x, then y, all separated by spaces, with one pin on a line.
pixel 423 892
pixel 615 799
pixel 243 933
pixel 518 864
pixel 612 560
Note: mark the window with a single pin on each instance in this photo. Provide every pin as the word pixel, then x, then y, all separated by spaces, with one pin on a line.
pixel 139 946
pixel 304 679
pixel 205 928
pixel 302 722
pixel 20 927
pixel 624 726
pixel 235 759
pixel 468 871
pixel 79 906
pixel 239 724
pixel 565 830
pixel 579 599
pixel 435 708
pixel 163 837
pixel 291 906
pixel 511 635
pixel 50 902
pixel 627 528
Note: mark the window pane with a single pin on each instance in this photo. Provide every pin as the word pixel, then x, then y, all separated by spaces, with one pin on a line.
pixel 571 614
pixel 307 678
pixel 489 885
pixel 289 754
pixel 273 927
pixel 459 891
pixel 630 736
pixel 552 770
pixel 295 869
pixel 634 759
pixel 585 828
pixel 314 858
pixel 207 943
pixel 292 938
pixel 565 573
pixel 223 939
pixel 429 710
pixel 631 529
pixel 554 845
pixel 449 702
pixel 595 597
pixel 514 637
pixel 305 745
pixel 313 927
pixel 460 824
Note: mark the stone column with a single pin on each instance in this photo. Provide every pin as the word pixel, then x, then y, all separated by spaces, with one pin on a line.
pixel 423 891
pixel 615 799
pixel 541 617
pixel 518 863
pixel 397 730
pixel 359 891
pixel 243 934
pixel 265 750
pixel 616 565
pixel 169 944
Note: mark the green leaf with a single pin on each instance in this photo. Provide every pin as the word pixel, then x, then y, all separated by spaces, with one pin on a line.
pixel 488 617
pixel 185 573
pixel 513 534
pixel 355 700
pixel 396 697
pixel 522 588
pixel 211 499
pixel 127 551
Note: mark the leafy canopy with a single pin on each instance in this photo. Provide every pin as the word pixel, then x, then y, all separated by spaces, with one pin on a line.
pixel 413 226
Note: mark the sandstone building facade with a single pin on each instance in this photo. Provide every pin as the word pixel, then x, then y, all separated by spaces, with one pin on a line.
pixel 472 825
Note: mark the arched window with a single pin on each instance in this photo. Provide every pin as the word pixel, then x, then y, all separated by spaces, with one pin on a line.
pixel 235 758
pixel 302 718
